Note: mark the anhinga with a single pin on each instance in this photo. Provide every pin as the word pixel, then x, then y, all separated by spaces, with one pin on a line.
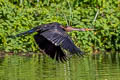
pixel 52 38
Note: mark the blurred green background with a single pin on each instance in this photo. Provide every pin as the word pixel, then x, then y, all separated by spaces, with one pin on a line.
pixel 17 16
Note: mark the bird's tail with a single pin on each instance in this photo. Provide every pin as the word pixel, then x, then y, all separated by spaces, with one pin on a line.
pixel 29 31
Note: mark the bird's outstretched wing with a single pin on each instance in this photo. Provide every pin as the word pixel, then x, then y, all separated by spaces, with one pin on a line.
pixel 55 52
pixel 60 38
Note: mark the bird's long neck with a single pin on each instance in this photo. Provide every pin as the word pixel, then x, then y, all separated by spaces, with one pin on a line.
pixel 76 29
pixel 69 29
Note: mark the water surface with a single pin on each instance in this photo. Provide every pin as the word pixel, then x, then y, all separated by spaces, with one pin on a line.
pixel 36 67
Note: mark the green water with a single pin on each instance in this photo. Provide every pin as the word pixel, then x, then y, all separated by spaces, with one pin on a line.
pixel 43 68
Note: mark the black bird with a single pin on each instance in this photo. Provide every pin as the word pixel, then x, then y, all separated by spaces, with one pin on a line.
pixel 52 39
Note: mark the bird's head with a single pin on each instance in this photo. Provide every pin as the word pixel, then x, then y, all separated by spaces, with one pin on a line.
pixel 69 29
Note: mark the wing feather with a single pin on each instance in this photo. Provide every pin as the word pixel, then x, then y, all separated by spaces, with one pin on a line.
pixel 60 38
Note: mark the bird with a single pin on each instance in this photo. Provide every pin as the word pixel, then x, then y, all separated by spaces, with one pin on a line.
pixel 53 40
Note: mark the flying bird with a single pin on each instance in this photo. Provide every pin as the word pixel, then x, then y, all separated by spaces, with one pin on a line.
pixel 52 39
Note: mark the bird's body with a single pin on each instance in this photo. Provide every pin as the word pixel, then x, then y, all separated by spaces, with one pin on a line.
pixel 52 38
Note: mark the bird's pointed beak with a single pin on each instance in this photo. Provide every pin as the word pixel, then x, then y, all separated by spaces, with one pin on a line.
pixel 83 29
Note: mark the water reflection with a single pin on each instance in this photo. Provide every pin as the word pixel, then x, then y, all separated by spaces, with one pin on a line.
pixel 38 67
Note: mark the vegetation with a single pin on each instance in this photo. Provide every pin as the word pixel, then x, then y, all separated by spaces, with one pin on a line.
pixel 17 16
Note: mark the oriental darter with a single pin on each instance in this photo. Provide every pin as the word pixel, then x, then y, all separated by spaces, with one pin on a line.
pixel 53 39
